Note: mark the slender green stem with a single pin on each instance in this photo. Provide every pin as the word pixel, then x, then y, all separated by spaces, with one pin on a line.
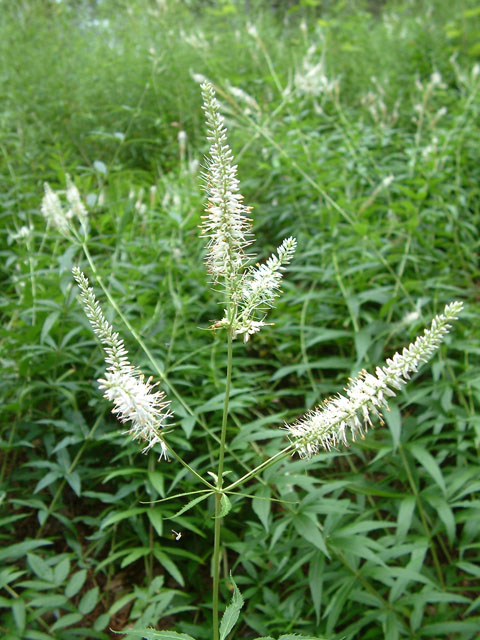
pixel 187 466
pixel 218 495
pixel 284 453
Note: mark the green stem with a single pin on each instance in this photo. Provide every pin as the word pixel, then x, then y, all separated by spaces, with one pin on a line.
pixel 284 453
pixel 218 495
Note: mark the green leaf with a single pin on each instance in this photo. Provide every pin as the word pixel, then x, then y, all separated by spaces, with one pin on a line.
pixel 61 571
pixel 169 566
pixel 121 515
pixel 191 504
pixel 40 567
pixel 39 635
pixel 393 419
pixel 75 583
pixel 225 506
pixel 152 634
pixel 429 463
pixel 444 512
pixel 315 580
pixel 156 520
pixel 89 601
pixel 294 636
pixel 101 622
pixel 18 609
pixel 47 480
pixel 309 530
pixel 405 515
pixel 75 482
pixel 232 612
pixel 52 601
pixel 66 620
pixel 157 481
pixel 50 320
pixel 134 555
pixel 261 505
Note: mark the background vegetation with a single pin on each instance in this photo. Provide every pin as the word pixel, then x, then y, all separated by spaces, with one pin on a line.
pixel 355 126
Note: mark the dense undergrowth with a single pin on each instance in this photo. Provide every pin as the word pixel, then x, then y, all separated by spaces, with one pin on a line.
pixel 355 126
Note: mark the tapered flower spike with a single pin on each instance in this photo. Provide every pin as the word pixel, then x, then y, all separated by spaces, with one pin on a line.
pixel 226 224
pixel 134 399
pixel 228 229
pixel 366 396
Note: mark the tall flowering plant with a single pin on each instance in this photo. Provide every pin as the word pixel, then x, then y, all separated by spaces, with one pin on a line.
pixel 248 294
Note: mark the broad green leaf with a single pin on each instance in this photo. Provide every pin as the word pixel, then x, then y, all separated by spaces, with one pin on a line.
pixel 18 609
pixel 75 482
pixel 225 506
pixel 101 622
pixel 66 621
pixel 40 567
pixel 405 515
pixel 169 566
pixel 444 512
pixel 117 516
pixel 310 530
pixel 51 601
pixel 315 581
pixel 294 636
pixel 47 480
pixel 152 634
pixel 191 504
pixel 261 505
pixel 75 583
pixel 61 571
pixel 134 555
pixel 50 320
pixel 89 601
pixel 232 612
pixel 448 627
pixel 393 419
pixel 429 463
pixel 156 520
pixel 39 635
pixel 157 480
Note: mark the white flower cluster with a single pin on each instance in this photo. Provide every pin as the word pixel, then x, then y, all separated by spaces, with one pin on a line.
pixel 366 396
pixel 226 224
pixel 60 217
pixel 228 228
pixel 133 397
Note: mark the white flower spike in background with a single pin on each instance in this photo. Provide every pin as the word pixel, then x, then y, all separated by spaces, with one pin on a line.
pixel 366 396
pixel 134 399
pixel 62 218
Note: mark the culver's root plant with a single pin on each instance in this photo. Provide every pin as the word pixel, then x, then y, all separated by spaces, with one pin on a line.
pixel 248 293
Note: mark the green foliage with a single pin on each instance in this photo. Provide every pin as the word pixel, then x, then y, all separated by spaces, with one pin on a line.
pixel 377 542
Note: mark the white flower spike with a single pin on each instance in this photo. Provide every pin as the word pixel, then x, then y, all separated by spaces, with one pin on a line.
pixel 134 399
pixel 249 291
pixel 226 224
pixel 366 396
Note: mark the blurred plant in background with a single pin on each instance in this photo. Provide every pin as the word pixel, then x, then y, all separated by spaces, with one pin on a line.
pixel 385 539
